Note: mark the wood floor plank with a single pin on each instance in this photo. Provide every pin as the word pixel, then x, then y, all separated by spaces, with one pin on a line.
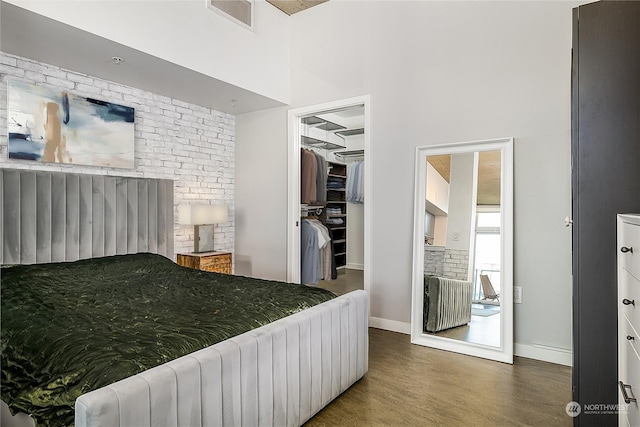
pixel 410 385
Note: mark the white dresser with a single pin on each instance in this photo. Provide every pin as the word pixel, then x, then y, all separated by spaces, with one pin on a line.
pixel 629 319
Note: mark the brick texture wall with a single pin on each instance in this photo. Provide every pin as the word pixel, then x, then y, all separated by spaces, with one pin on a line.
pixel 433 260
pixel 187 143
pixel 456 264
pixel 445 262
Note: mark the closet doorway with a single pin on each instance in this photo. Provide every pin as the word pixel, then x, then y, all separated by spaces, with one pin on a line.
pixel 336 138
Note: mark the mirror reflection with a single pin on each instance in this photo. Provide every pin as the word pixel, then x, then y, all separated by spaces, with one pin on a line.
pixel 462 247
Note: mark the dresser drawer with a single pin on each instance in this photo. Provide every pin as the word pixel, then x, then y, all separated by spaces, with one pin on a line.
pixel 627 332
pixel 630 238
pixel 629 368
pixel 629 289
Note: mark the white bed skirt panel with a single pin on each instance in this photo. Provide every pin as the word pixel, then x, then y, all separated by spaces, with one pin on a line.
pixel 279 374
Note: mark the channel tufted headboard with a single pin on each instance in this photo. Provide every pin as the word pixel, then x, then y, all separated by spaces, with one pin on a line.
pixel 53 216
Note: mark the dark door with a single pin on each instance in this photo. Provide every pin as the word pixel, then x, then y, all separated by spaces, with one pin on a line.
pixel 605 181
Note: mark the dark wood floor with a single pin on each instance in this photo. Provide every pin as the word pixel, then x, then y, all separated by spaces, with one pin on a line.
pixel 410 385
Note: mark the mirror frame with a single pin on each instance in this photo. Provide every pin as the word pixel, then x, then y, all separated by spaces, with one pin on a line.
pixel 504 353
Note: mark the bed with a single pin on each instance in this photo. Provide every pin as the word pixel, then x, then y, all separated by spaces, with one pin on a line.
pixel 300 348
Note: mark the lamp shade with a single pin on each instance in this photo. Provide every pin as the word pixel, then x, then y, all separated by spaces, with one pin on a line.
pixel 202 214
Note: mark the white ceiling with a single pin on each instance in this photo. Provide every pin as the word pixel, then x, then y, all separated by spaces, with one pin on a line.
pixel 34 36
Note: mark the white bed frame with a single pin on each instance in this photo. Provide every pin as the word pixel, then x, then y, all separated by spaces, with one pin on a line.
pixel 279 374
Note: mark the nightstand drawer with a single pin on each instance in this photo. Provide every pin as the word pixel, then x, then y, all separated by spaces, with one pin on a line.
pixel 220 263
pixel 217 262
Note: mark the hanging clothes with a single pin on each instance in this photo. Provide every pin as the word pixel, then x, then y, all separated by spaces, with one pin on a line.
pixel 316 252
pixel 321 178
pixel 308 176
pixel 324 246
pixel 309 253
pixel 355 182
pixel 316 248
pixel 313 177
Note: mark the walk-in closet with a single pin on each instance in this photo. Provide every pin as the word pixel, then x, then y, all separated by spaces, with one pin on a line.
pixel 332 201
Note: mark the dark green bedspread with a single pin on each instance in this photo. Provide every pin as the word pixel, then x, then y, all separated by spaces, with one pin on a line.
pixel 69 328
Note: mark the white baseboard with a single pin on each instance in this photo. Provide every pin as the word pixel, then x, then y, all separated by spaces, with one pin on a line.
pixel 355 266
pixel 545 353
pixel 560 356
pixel 390 325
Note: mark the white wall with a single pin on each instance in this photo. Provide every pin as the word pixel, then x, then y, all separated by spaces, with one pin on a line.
pixel 440 238
pixel 437 72
pixel 261 203
pixel 437 194
pixel 189 144
pixel 186 33
pixel 463 192
pixel 463 188
pixel 355 236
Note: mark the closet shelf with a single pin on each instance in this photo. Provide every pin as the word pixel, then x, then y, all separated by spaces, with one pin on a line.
pixel 350 132
pixel 318 143
pixel 322 124
pixel 351 153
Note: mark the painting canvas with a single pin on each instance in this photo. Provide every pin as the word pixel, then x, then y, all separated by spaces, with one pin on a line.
pixel 46 125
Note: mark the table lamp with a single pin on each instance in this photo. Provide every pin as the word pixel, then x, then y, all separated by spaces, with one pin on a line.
pixel 203 218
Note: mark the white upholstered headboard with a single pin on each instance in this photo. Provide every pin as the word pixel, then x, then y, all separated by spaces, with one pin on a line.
pixel 53 216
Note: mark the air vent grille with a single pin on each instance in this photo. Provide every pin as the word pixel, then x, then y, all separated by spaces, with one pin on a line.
pixel 240 11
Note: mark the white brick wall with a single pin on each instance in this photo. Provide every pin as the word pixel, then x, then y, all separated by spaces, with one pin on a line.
pixel 451 263
pixel 456 264
pixel 433 260
pixel 187 143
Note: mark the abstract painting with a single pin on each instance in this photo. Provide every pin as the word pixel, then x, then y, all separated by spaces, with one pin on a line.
pixel 46 125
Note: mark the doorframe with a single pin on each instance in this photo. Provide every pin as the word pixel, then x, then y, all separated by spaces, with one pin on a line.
pixel 293 181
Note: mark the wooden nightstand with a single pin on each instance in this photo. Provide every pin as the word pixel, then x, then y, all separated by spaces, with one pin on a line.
pixel 219 262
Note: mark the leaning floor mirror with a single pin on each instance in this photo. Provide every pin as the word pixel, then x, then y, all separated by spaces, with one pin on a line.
pixel 462 296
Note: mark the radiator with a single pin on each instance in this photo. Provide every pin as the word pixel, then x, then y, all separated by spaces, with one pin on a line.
pixel 449 303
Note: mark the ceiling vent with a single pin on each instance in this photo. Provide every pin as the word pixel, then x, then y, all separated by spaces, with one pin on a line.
pixel 239 11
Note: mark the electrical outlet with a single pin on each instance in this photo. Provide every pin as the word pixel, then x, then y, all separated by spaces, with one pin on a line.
pixel 517 294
